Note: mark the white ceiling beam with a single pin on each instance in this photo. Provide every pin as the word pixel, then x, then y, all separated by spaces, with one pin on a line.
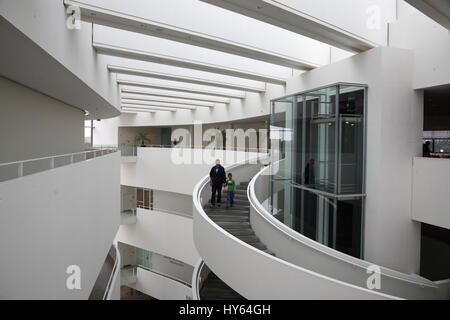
pixel 168 94
pixel 140 107
pixel 132 112
pixel 180 78
pixel 283 16
pixel 183 63
pixel 157 104
pixel 137 110
pixel 119 20
pixel 438 10
pixel 167 100
pixel 140 84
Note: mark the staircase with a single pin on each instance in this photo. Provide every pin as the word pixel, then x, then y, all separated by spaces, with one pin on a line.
pixel 236 221
pixel 215 289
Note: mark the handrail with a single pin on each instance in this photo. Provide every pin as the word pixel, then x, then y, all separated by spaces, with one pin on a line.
pixel 177 213
pixel 187 284
pixel 180 146
pixel 295 236
pixel 20 163
pixel 57 156
pixel 322 193
pixel 196 279
pixel 113 276
pixel 261 256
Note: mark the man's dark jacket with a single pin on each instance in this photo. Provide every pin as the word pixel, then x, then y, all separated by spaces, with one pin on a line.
pixel 218 177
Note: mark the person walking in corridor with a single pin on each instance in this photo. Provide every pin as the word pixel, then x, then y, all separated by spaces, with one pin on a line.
pixel 217 180
pixel 231 188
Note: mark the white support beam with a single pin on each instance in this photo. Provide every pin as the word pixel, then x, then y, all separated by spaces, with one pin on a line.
pixel 128 106
pixel 169 94
pixel 183 63
pixel 140 84
pixel 137 110
pixel 180 78
pixel 167 100
pixel 119 20
pixel 134 112
pixel 438 10
pixel 157 104
pixel 287 17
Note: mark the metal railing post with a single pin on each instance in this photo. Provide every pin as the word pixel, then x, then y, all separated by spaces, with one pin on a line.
pixel 20 170
pixel 52 163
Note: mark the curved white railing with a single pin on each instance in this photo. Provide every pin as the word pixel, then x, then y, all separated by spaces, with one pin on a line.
pixel 253 273
pixel 298 249
pixel 197 279
pixel 51 161
pixel 115 274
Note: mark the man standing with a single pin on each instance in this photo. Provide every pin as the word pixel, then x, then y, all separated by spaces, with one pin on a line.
pixel 217 180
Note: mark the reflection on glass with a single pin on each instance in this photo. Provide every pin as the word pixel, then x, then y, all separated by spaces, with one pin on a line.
pixel 319 135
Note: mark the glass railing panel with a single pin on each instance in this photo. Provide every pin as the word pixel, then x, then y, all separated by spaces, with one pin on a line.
pixel 320 216
pixel 351 131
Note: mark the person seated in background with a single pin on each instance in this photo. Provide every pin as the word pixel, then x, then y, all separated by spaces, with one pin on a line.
pixel 231 188
pixel 217 180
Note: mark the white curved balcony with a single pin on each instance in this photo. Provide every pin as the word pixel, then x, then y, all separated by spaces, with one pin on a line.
pixel 61 211
pixel 300 268
pixel 107 285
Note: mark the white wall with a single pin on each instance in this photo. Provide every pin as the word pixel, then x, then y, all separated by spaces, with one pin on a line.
pixel 171 201
pixel 431 202
pixel 69 57
pixel 166 234
pixel 127 197
pixel 172 267
pixel 33 125
pixel 160 287
pixel 54 219
pixel 175 176
pixel 394 133
pixel 431 44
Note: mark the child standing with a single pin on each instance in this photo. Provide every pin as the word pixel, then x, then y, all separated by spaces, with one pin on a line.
pixel 231 188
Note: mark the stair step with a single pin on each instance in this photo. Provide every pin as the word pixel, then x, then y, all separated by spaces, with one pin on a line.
pixel 236 193
pixel 242 232
pixel 248 238
pixel 240 197
pixel 225 210
pixel 242 201
pixel 212 213
pixel 239 189
pixel 234 225
pixel 229 219
pixel 230 208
